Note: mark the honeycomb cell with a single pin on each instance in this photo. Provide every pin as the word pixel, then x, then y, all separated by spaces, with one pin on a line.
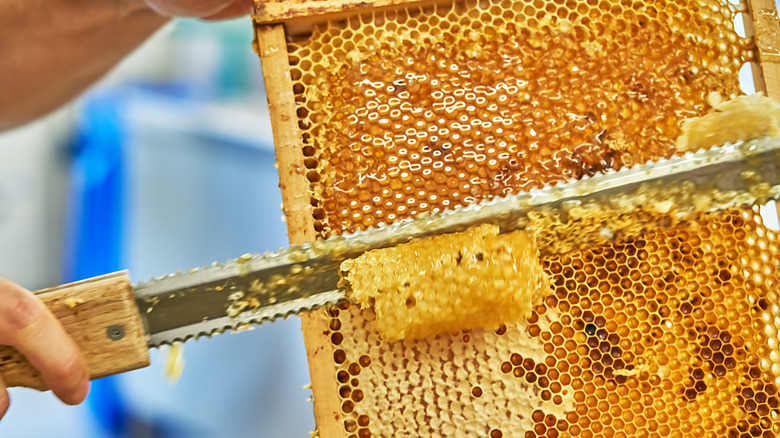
pixel 682 375
pixel 453 104
pixel 666 332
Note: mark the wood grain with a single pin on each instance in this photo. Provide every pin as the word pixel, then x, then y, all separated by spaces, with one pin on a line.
pixel 274 11
pixel 272 47
pixel 92 312
pixel 764 25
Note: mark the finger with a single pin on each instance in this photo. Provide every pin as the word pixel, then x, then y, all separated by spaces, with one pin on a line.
pixel 27 325
pixel 5 401
pixel 238 8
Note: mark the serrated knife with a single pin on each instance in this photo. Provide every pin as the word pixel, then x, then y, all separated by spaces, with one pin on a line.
pixel 115 323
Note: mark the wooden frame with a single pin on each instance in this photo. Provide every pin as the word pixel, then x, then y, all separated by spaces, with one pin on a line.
pixel 271 46
pixel 764 26
pixel 267 12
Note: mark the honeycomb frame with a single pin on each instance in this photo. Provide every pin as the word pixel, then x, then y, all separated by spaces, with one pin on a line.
pixel 668 333
pixel 273 49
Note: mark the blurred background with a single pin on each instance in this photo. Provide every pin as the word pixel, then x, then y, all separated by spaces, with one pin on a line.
pixel 165 165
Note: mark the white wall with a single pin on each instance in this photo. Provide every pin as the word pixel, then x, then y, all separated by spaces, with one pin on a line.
pixel 33 183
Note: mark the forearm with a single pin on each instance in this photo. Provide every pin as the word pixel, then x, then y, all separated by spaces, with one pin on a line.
pixel 50 51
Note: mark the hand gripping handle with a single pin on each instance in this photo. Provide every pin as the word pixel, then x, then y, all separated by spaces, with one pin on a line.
pixel 101 315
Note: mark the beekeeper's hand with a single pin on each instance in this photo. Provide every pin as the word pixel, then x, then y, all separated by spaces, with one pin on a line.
pixel 46 62
pixel 27 325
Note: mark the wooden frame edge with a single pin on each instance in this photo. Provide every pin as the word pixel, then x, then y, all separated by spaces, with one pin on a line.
pixel 270 11
pixel 271 46
pixel 764 26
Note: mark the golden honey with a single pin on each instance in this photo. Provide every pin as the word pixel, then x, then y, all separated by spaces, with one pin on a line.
pixel 422 109
pixel 668 332
pixel 447 283
pixel 671 333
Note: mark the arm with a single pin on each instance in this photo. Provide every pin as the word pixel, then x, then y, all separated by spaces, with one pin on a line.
pixel 50 51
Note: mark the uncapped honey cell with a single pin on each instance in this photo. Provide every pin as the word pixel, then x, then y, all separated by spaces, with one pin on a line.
pixel 422 109
pixel 665 332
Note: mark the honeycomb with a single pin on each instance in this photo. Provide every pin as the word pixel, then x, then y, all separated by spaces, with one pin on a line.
pixel 447 283
pixel 745 117
pixel 417 110
pixel 670 333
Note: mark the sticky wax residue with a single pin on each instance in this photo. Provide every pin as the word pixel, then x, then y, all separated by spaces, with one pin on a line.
pixel 742 118
pixel 74 302
pixel 174 363
pixel 448 283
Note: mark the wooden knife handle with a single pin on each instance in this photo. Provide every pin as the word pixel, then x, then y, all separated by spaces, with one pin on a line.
pixel 101 315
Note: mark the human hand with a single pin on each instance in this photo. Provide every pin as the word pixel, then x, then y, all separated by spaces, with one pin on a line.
pixel 206 9
pixel 27 325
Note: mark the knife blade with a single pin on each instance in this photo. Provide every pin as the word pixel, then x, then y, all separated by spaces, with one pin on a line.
pixel 253 289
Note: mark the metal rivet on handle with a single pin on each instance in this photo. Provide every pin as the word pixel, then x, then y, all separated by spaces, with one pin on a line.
pixel 115 332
